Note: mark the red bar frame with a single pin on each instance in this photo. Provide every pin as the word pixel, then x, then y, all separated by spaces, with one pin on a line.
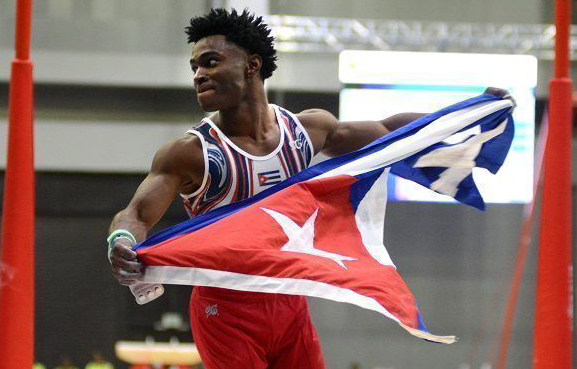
pixel 17 250
pixel 553 321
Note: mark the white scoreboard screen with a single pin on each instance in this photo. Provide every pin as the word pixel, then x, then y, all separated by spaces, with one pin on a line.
pixel 378 84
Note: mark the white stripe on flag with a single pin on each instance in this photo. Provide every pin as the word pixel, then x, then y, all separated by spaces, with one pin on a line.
pixel 291 286
pixel 370 219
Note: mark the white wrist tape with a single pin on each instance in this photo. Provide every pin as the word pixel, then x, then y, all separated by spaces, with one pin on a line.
pixel 119 233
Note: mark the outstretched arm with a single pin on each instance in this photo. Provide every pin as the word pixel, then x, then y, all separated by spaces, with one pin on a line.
pixel 176 167
pixel 333 138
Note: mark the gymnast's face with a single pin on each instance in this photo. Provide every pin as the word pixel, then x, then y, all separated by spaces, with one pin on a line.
pixel 220 70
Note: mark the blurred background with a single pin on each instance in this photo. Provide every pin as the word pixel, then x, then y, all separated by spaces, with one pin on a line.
pixel 113 84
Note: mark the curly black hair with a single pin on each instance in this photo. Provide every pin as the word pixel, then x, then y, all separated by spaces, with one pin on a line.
pixel 244 30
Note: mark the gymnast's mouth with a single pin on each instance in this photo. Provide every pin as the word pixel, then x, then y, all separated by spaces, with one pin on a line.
pixel 202 89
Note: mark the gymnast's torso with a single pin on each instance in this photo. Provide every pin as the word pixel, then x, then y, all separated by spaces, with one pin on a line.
pixel 231 174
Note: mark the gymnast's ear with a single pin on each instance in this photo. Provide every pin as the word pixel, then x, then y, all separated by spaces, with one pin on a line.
pixel 254 63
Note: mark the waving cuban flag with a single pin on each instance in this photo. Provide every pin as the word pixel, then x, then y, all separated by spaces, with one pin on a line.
pixel 320 233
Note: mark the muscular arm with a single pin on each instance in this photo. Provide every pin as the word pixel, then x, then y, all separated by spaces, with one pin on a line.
pixel 177 167
pixel 351 136
pixel 334 138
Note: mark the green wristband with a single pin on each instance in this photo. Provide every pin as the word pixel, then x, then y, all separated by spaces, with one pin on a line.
pixel 119 233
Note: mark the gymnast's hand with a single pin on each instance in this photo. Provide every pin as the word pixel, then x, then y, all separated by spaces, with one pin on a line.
pixel 124 264
pixel 500 92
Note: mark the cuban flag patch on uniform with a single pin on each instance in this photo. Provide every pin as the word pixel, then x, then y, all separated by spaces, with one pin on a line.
pixel 269 178
pixel 320 233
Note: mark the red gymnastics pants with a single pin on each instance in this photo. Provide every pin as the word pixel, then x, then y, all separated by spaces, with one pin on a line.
pixel 247 330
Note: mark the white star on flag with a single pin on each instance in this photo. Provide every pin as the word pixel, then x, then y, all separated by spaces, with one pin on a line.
pixel 301 239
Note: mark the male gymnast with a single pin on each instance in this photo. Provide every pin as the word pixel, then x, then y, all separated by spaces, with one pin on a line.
pixel 245 146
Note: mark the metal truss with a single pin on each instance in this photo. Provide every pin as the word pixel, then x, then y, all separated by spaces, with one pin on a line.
pixel 327 35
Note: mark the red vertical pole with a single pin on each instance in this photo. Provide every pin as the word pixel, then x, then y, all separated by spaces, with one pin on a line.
pixel 17 247
pixel 553 321
pixel 500 356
